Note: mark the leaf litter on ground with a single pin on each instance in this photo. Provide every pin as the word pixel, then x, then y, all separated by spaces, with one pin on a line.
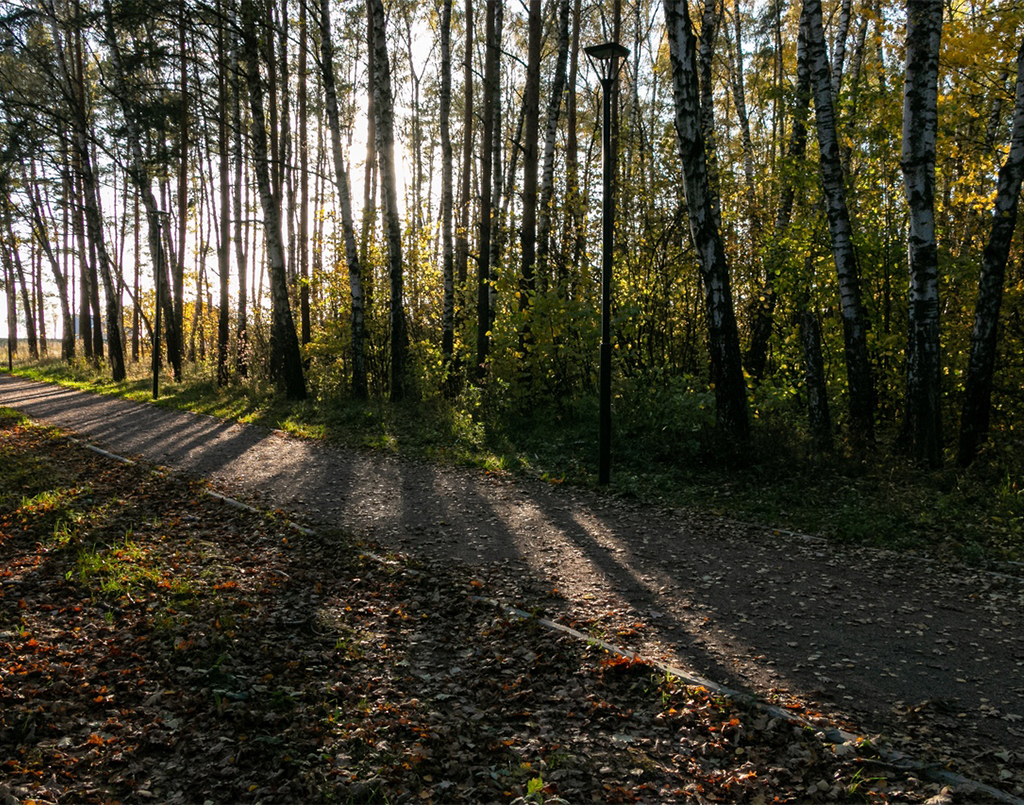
pixel 158 645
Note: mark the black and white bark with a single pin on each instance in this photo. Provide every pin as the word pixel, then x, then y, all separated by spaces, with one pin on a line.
pixel 923 408
pixel 839 47
pixel 355 275
pixel 723 338
pixel 384 124
pixel 977 404
pixel 302 211
pixel 855 341
pixel 818 413
pixel 710 22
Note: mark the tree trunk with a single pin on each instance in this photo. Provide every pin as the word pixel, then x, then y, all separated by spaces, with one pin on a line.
pixel 384 114
pixel 285 357
pixel 12 308
pixel 370 169
pixel 839 48
pixel 67 346
pixel 468 130
pixel 224 167
pixel 923 414
pixel 710 20
pixel 819 418
pixel 140 178
pixel 238 155
pixel 547 185
pixel 858 367
pixel 94 221
pixel 358 327
pixel 137 266
pixel 572 232
pixel 723 338
pixel 491 89
pixel 303 211
pixel 974 418
pixel 531 164
pixel 447 204
pixel 18 278
pixel 183 168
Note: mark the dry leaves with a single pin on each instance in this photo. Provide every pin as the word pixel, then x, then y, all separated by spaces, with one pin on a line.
pixel 156 644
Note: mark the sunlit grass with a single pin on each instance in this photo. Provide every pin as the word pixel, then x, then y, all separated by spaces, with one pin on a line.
pixel 118 569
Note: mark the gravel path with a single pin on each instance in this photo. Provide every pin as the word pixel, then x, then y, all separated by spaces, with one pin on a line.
pixel 927 654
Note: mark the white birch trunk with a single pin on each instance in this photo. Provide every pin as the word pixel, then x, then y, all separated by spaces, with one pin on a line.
pixel 923 412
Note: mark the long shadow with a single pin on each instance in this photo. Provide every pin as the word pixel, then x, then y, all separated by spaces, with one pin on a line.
pixel 863 629
pixel 161 435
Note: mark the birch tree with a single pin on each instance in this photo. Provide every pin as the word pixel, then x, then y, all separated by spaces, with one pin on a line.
pixel 355 275
pixel 383 102
pixel 723 338
pixel 923 411
pixel 858 366
pixel 285 358
pixel 977 404
pixel 547 183
pixel 447 202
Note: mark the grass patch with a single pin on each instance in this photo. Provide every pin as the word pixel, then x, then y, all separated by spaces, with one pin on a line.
pixel 118 570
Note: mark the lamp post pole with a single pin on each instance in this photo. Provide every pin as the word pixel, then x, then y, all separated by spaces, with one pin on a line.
pixel 156 314
pixel 606 60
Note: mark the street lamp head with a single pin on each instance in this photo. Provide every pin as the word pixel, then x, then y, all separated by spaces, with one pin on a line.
pixel 606 59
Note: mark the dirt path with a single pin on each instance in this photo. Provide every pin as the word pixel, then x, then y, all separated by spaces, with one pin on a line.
pixel 929 655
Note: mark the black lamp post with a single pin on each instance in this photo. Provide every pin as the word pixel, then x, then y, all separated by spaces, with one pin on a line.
pixel 158 215
pixel 606 60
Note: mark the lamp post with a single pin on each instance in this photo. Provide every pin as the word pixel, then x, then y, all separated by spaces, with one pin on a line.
pixel 606 60
pixel 159 259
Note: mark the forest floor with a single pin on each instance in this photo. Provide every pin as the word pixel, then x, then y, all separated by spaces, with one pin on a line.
pixel 921 657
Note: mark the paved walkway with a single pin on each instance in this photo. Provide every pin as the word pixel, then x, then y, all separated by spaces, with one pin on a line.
pixel 885 643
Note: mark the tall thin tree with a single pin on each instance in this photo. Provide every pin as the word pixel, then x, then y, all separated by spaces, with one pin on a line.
pixel 723 337
pixel 285 357
pixel 858 366
pixel 384 114
pixel 355 277
pixel 923 411
pixel 977 405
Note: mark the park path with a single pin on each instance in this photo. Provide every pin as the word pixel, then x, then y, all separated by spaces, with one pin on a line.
pixel 928 654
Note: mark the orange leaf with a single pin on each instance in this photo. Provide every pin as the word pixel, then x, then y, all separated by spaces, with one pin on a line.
pixel 95 740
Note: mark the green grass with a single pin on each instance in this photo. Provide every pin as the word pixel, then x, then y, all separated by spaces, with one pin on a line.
pixel 117 570
pixel 664 454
